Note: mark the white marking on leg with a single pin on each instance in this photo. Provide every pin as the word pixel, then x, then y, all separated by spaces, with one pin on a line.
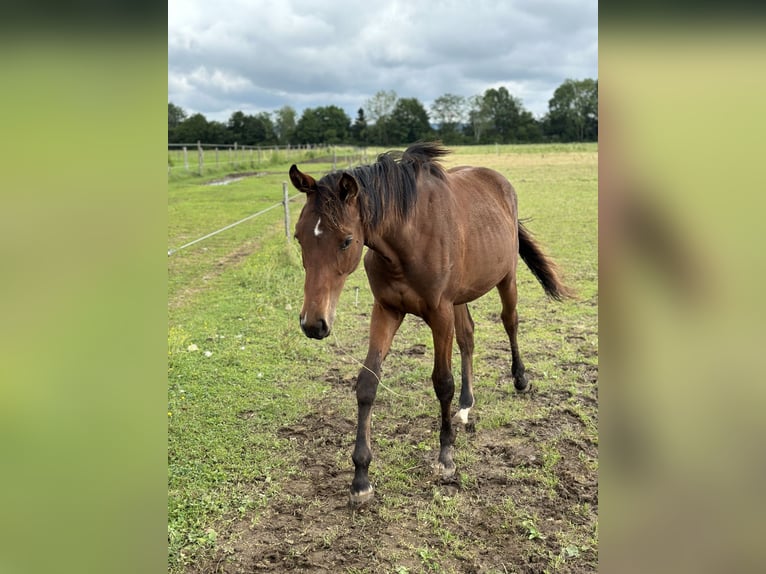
pixel 462 416
pixel 367 490
pixel 446 472
pixel 317 231
pixel 362 496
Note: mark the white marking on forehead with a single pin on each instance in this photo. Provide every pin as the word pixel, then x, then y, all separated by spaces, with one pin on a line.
pixel 317 231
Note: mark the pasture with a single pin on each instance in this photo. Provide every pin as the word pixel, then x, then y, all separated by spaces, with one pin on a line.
pixel 261 420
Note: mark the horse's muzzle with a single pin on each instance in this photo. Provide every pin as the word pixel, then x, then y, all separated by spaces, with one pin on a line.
pixel 318 329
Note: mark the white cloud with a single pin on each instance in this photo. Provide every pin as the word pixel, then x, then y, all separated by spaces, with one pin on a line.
pixel 218 80
pixel 258 55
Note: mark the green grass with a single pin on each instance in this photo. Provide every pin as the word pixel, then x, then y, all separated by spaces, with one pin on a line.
pixel 227 399
pixel 236 297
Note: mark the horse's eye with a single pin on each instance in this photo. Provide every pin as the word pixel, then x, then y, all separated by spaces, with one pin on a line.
pixel 346 243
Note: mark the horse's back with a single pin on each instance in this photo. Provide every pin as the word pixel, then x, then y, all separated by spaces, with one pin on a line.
pixel 486 214
pixel 485 199
pixel 482 185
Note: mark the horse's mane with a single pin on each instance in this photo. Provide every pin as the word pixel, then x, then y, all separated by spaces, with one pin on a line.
pixel 387 188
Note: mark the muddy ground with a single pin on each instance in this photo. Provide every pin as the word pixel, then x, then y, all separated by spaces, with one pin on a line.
pixel 525 499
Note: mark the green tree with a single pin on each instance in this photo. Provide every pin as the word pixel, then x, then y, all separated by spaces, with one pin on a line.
pixel 528 129
pixel 449 112
pixel 478 121
pixel 236 127
pixel 573 111
pixel 192 129
pixel 409 122
pixel 259 129
pixel 591 111
pixel 505 119
pixel 251 129
pixel 176 115
pixel 359 129
pixel 284 124
pixel 502 111
pixel 217 133
pixel 379 108
pixel 328 124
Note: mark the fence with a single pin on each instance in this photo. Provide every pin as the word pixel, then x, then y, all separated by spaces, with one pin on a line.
pixel 284 203
pixel 196 157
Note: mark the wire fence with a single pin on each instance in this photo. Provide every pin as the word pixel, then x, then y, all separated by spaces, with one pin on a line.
pixel 196 158
pixel 284 203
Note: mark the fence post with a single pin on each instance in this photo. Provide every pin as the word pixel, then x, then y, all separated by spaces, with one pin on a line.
pixel 236 159
pixel 186 159
pixel 200 158
pixel 287 210
pixel 334 159
pixel 216 157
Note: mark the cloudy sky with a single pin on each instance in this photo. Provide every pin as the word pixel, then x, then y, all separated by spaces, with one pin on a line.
pixel 259 55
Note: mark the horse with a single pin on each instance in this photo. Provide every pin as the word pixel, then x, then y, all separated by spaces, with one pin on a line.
pixel 437 239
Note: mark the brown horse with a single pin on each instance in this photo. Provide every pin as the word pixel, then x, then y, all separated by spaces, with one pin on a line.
pixel 437 240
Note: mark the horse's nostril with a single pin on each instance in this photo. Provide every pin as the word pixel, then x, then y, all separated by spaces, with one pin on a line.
pixel 317 330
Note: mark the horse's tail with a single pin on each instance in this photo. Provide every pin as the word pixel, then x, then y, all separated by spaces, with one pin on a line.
pixel 542 267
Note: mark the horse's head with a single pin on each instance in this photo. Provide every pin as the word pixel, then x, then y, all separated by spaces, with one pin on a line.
pixel 331 236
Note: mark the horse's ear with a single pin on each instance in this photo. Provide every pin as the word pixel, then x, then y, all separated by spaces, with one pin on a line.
pixel 302 181
pixel 348 187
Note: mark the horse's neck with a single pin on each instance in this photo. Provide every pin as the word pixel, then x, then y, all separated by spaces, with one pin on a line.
pixel 383 245
pixel 394 242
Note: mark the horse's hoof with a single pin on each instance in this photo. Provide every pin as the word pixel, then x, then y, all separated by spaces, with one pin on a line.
pixel 447 472
pixel 521 384
pixel 359 499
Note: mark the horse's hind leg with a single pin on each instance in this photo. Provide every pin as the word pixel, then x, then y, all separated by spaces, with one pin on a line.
pixel 464 335
pixel 510 317
pixel 383 326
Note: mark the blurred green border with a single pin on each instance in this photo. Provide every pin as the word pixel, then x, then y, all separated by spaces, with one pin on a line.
pixel 681 271
pixel 83 298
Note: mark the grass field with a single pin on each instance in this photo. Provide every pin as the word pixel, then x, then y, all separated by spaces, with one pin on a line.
pixel 261 420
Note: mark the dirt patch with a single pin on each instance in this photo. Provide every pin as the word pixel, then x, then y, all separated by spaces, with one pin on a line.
pixel 525 498
pixel 229 260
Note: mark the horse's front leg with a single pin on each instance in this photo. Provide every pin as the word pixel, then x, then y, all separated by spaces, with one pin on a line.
pixel 442 323
pixel 383 326
pixel 464 334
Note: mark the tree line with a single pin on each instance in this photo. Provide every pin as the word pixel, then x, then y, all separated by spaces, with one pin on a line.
pixel 385 119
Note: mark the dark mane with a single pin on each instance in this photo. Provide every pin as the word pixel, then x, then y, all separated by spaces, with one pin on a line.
pixel 387 188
